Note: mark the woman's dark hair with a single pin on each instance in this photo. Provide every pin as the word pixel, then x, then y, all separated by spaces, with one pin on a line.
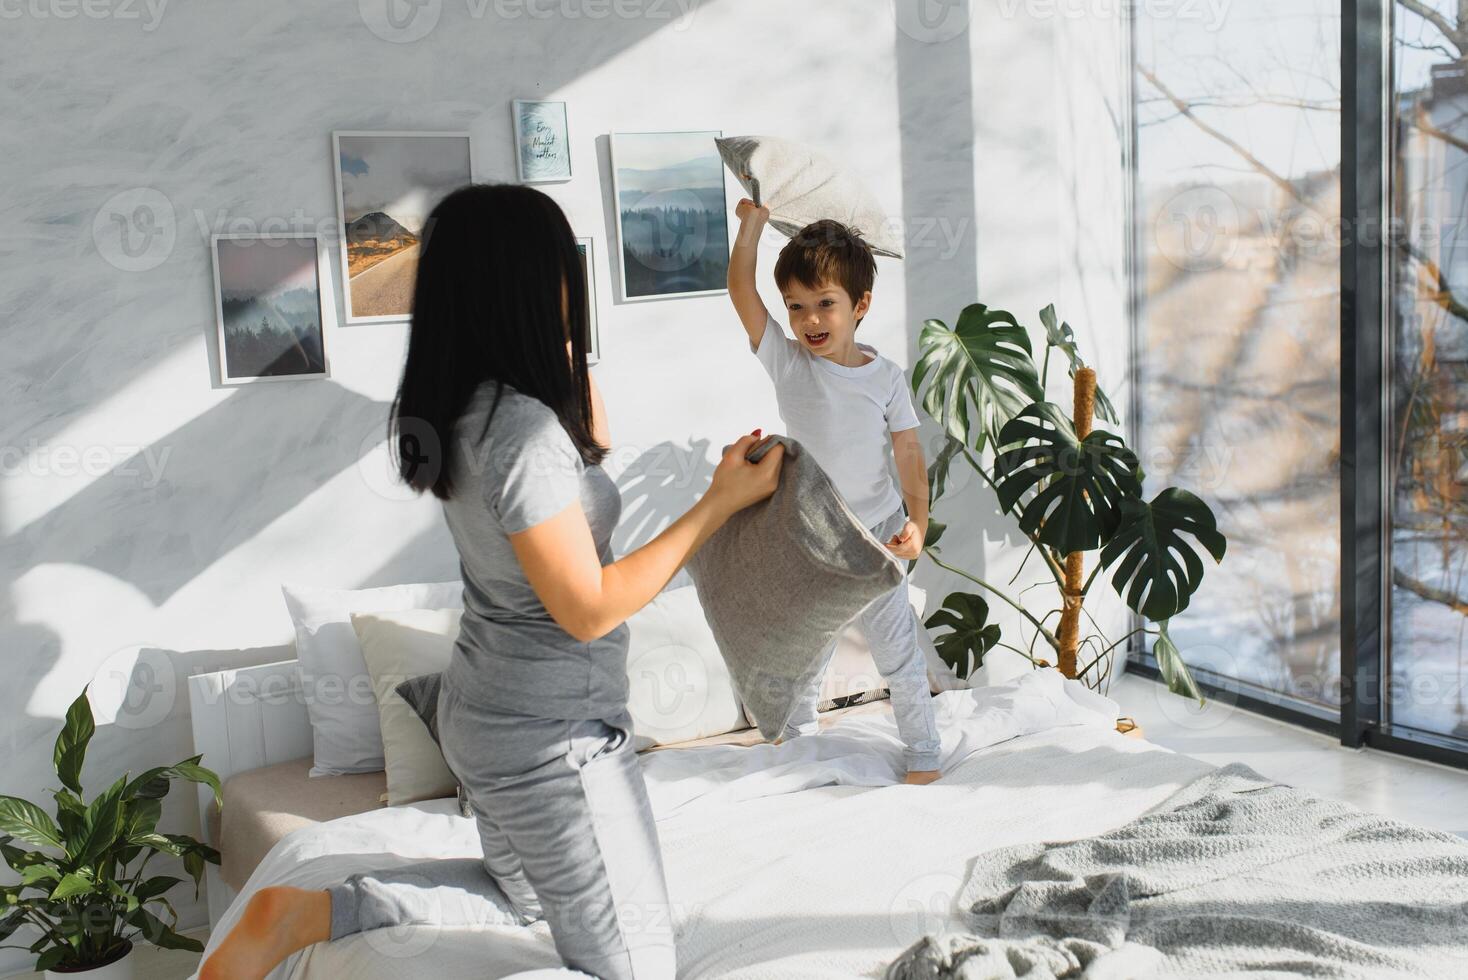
pixel 488 306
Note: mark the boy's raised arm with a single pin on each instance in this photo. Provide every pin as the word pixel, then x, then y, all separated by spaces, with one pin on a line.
pixel 742 261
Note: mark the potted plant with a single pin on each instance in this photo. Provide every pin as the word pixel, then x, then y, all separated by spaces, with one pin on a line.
pixel 84 886
pixel 1072 488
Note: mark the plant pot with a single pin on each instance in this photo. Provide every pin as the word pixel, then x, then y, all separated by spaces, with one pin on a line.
pixel 122 968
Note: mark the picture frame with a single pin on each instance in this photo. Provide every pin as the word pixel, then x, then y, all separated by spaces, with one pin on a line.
pixel 672 216
pixel 542 141
pixel 587 248
pixel 286 281
pixel 378 173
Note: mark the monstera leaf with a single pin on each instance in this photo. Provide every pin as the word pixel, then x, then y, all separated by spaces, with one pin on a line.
pixel 1170 665
pixel 966 616
pixel 1157 569
pixel 1059 335
pixel 979 373
pixel 1080 485
pixel 939 467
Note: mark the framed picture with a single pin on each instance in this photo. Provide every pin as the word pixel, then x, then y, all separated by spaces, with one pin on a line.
pixel 272 300
pixel 672 226
pixel 588 269
pixel 386 185
pixel 543 141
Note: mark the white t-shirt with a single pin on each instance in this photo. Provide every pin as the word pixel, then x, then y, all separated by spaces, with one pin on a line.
pixel 843 415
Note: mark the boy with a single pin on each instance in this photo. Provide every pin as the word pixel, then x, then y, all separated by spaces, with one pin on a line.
pixel 840 400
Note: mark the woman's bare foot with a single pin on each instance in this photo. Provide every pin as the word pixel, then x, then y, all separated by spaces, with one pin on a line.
pixel 277 922
pixel 921 777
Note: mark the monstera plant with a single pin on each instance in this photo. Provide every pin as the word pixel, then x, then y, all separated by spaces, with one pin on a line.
pixel 1072 489
pixel 84 886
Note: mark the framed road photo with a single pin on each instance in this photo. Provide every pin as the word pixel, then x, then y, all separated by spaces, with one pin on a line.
pixel 542 141
pixel 672 220
pixel 386 185
pixel 588 268
pixel 272 301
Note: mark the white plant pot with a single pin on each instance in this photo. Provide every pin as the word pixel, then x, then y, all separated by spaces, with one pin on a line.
pixel 122 969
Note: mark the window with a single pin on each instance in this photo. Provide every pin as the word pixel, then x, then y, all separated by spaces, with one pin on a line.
pixel 1237 295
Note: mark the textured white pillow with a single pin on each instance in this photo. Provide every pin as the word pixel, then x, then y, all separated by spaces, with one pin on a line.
pixel 338 692
pixel 852 670
pixel 678 684
pixel 800 185
pixel 398 646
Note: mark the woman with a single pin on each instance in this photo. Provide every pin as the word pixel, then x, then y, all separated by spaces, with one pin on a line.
pixel 495 419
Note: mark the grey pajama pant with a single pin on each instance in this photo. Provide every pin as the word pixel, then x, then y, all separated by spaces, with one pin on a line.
pixel 568 837
pixel 890 627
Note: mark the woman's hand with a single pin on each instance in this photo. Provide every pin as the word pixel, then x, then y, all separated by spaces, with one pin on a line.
pixel 737 482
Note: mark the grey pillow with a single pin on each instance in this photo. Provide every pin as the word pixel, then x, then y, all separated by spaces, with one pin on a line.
pixel 781 578
pixel 800 185
pixel 421 693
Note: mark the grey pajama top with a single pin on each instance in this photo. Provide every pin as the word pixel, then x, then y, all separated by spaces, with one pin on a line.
pixel 519 470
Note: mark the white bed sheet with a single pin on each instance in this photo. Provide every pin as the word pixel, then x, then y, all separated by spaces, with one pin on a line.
pixel 806 859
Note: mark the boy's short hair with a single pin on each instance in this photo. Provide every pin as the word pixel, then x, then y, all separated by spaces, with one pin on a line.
pixel 827 251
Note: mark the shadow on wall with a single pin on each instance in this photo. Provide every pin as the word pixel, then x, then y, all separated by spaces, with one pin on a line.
pixel 162 518
pixel 939 216
pixel 657 489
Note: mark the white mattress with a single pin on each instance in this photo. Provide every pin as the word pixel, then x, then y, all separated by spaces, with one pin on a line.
pixel 800 860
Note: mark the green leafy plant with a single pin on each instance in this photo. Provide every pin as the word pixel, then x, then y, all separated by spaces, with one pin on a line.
pixel 1071 488
pixel 85 887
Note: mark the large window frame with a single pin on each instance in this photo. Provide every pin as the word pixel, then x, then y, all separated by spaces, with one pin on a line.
pixel 1363 719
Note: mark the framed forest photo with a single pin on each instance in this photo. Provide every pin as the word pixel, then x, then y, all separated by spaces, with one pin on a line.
pixel 272 301
pixel 672 219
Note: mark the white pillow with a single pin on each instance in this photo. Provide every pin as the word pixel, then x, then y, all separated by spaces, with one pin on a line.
pixel 338 692
pixel 678 684
pixel 398 646
pixel 852 670
pixel 800 185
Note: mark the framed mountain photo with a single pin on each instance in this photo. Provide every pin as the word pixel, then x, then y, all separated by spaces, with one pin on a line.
pixel 386 185
pixel 272 301
pixel 672 227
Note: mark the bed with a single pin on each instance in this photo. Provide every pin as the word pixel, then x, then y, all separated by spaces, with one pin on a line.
pixel 762 883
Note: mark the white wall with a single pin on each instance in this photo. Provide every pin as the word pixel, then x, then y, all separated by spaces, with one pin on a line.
pixel 144 509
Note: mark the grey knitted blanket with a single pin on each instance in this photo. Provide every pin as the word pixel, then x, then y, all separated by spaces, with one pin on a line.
pixel 781 578
pixel 1231 876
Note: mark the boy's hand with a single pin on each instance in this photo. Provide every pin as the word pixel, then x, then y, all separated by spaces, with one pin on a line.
pixel 747 209
pixel 907 544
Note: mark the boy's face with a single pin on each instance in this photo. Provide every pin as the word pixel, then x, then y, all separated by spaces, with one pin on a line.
pixel 824 318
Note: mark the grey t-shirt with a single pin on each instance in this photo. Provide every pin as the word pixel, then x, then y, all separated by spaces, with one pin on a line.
pixel 511 655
